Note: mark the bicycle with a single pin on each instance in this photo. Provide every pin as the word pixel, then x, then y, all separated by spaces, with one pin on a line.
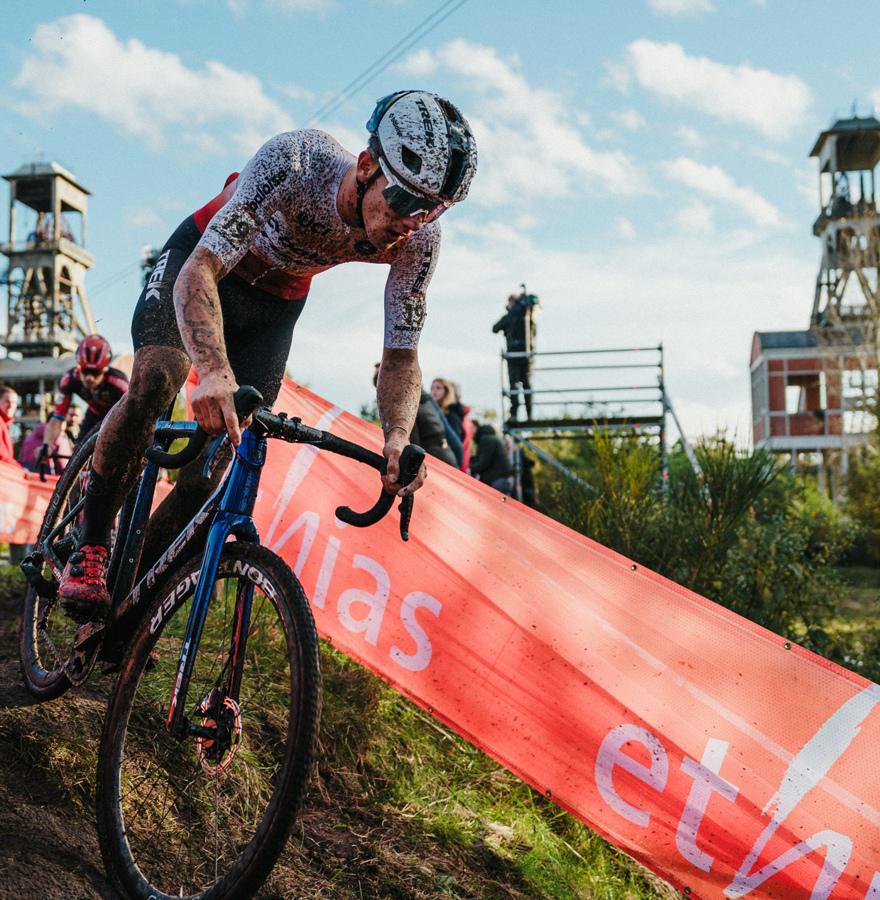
pixel 205 753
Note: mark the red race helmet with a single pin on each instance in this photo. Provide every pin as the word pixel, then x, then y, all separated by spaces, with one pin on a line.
pixel 93 355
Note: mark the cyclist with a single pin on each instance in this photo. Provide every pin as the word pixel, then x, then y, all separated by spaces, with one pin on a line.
pixel 94 380
pixel 231 282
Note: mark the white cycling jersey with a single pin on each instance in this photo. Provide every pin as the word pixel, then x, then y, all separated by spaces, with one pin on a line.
pixel 276 225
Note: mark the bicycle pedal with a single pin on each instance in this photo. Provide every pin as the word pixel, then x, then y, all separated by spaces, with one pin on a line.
pixel 86 645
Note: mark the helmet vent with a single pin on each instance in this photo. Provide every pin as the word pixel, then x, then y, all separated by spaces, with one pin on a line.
pixel 411 160
pixel 454 171
pixel 452 114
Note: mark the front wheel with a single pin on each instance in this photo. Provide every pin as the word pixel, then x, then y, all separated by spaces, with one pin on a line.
pixel 201 815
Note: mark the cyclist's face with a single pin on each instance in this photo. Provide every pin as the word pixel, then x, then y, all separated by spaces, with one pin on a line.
pixel 92 379
pixel 385 227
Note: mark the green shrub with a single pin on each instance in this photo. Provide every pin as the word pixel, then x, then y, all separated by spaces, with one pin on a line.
pixel 747 534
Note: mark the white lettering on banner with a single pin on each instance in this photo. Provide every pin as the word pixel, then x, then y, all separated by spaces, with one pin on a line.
pixel 325 574
pixel 610 755
pixel 417 661
pixel 804 772
pixel 293 478
pixel 706 782
pixel 837 855
pixel 309 521
pixel 376 601
pixel 874 889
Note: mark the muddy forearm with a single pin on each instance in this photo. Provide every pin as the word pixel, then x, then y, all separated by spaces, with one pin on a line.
pixel 399 391
pixel 199 318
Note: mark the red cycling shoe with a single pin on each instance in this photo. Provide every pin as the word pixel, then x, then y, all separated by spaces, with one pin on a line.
pixel 83 589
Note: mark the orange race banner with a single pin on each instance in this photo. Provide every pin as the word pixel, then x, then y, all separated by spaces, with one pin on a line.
pixel 23 502
pixel 724 758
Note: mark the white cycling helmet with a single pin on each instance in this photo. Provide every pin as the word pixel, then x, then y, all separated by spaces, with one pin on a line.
pixel 425 149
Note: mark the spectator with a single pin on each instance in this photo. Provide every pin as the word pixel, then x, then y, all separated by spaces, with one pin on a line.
pixel 491 463
pixel 518 325
pixel 468 427
pixel 522 465
pixel 73 423
pixel 452 411
pixel 57 453
pixel 8 406
pixel 428 432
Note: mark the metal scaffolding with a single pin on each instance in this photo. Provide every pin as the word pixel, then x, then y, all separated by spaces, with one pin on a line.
pixel 576 393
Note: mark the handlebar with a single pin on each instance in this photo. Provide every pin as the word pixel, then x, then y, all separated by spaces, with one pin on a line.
pixel 247 399
pixel 247 402
pixel 294 431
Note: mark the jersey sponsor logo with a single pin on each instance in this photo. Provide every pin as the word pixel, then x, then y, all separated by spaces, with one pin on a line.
pixel 424 269
pixel 427 124
pixel 234 227
pixel 414 313
pixel 264 188
pixel 156 276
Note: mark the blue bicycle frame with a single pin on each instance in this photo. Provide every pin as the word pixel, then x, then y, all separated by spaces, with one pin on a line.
pixel 229 512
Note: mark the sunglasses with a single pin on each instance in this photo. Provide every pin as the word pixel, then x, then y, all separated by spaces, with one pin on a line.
pixel 405 203
pixel 94 373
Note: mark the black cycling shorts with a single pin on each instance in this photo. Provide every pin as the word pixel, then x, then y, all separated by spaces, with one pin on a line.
pixel 257 327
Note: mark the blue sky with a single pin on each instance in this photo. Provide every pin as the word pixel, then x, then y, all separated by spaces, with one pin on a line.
pixel 643 164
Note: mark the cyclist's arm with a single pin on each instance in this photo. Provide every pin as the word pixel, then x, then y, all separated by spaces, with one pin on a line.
pixel 200 321
pixel 62 404
pixel 264 185
pixel 400 379
pixel 397 395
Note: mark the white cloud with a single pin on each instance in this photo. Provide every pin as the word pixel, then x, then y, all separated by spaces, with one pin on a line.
pixel 680 7
pixel 631 119
pixel 421 63
pixel 714 182
pixel 690 137
pixel 625 229
pixel 695 218
pixel 770 103
pixel 77 61
pixel 144 217
pixel 529 141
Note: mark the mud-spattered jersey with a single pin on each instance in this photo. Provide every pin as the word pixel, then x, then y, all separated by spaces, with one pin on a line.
pixel 100 400
pixel 276 225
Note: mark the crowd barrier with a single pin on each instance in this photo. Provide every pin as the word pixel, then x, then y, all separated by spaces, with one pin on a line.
pixel 725 758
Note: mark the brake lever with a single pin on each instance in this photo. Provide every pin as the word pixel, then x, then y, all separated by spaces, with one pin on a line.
pixel 410 462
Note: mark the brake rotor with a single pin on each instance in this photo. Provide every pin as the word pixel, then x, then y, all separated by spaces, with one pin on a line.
pixel 206 745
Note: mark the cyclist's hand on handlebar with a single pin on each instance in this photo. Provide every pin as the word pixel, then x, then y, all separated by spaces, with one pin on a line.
pixel 394 444
pixel 214 406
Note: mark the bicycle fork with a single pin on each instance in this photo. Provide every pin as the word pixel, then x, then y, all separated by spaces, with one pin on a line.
pixel 233 517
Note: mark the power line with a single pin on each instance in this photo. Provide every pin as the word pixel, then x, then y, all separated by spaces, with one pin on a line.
pixel 114 279
pixel 444 11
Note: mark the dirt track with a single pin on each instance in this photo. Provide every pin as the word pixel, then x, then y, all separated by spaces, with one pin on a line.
pixel 49 846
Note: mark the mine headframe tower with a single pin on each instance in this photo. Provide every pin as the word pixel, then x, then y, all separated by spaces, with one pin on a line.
pixel 47 307
pixel 814 391
pixel 848 226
